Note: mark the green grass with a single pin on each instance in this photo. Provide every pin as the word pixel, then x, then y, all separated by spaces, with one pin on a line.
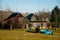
pixel 23 35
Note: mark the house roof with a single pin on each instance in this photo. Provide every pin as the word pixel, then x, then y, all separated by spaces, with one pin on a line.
pixel 38 21
pixel 29 16
pixel 13 15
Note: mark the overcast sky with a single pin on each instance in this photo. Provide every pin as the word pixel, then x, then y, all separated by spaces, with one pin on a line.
pixel 29 5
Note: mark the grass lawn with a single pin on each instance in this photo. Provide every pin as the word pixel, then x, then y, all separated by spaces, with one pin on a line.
pixel 23 35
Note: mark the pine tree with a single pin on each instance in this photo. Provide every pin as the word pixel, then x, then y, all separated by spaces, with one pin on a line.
pixel 55 16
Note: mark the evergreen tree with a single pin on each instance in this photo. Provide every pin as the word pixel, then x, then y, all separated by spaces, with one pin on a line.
pixel 55 16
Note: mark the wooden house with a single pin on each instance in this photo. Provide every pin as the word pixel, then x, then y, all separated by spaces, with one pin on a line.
pixel 42 21
pixel 15 21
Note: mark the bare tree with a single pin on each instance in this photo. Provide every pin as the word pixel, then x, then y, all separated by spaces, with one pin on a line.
pixel 0 4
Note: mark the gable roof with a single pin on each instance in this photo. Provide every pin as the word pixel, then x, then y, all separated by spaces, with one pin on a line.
pixel 29 16
pixel 13 15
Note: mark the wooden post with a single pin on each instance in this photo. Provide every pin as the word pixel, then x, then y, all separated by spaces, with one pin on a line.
pixel 26 26
pixel 11 27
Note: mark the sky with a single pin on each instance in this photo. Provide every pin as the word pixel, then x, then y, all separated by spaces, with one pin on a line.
pixel 29 5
